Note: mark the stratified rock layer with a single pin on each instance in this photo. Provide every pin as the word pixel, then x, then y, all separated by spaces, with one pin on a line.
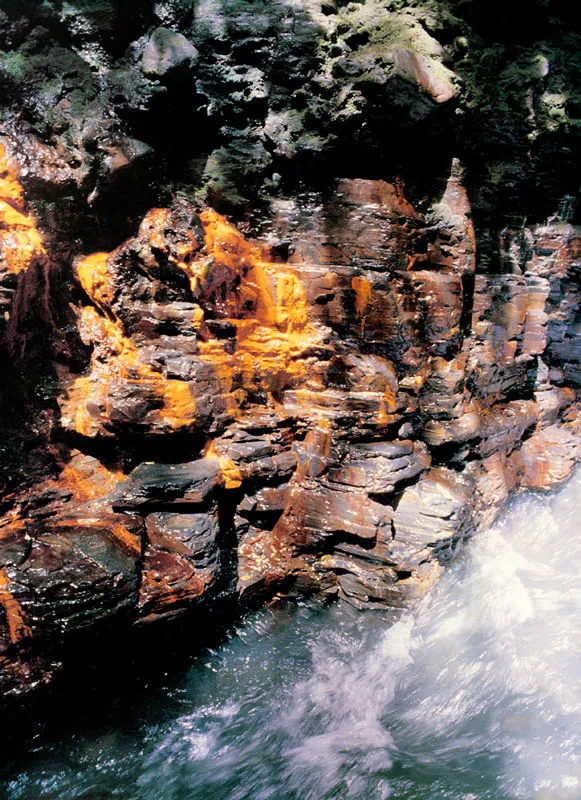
pixel 334 422
pixel 289 302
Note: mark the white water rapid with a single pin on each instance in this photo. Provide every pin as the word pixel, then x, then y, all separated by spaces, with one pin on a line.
pixel 475 695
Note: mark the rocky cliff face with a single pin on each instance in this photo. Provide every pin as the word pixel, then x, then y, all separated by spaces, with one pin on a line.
pixel 290 297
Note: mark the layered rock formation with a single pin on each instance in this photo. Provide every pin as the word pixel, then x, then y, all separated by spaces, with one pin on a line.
pixel 232 374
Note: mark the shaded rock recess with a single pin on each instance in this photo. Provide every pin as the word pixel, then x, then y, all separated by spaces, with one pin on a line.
pixel 289 302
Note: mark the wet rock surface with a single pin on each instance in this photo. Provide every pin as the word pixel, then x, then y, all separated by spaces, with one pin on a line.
pixel 233 376
pixel 345 451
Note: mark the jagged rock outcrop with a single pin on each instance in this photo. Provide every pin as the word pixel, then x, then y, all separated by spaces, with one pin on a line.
pixel 318 400
pixel 235 371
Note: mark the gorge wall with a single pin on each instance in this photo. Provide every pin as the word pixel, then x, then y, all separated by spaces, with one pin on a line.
pixel 290 301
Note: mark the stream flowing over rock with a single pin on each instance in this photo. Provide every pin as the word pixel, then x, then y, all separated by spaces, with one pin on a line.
pixel 290 298
pixel 473 696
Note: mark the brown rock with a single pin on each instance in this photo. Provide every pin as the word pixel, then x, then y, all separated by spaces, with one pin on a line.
pixel 267 500
pixel 549 457
pixel 496 479
pixel 263 565
pixel 504 425
pixel 380 467
pixel 170 584
pixel 433 515
pixel 439 432
pixel 302 376
pixel 319 511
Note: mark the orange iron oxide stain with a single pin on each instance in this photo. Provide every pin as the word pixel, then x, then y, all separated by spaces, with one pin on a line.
pixel 362 289
pixel 265 303
pixel 87 485
pixel 20 241
pixel 14 614
pixel 92 274
pixel 230 472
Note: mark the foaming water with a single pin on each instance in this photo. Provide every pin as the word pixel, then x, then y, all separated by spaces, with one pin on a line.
pixel 476 696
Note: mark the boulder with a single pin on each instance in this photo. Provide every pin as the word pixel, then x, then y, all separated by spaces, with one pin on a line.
pixel 78 574
pixel 166 52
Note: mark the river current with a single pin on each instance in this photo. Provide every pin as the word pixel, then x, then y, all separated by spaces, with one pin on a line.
pixel 474 696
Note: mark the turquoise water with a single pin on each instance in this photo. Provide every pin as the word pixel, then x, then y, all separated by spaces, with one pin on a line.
pixel 476 695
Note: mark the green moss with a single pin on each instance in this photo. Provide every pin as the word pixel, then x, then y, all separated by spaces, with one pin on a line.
pixel 13 65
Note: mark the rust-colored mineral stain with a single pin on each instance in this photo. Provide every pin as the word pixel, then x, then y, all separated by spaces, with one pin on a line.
pixel 9 523
pixel 88 485
pixel 128 541
pixel 231 474
pixel 10 188
pixel 265 303
pixel 362 289
pixel 179 407
pixel 279 299
pixel 14 614
pixel 116 357
pixel 92 274
pixel 20 241
pixel 168 580
pixel 226 243
pixel 387 407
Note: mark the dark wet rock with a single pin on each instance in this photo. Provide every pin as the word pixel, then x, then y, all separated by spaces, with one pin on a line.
pixel 183 565
pixel 77 574
pixel 192 535
pixel 168 484
pixel 328 389
pixel 264 566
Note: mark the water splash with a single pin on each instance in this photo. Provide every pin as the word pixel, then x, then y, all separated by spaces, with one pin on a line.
pixel 477 696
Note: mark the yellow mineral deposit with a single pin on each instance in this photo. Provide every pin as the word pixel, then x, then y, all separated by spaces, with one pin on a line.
pixel 270 309
pixel 230 472
pixel 266 303
pixel 362 289
pixel 117 358
pixel 88 484
pixel 179 407
pixel 387 406
pixel 20 241
pixel 10 189
pixel 92 274
pixel 13 611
